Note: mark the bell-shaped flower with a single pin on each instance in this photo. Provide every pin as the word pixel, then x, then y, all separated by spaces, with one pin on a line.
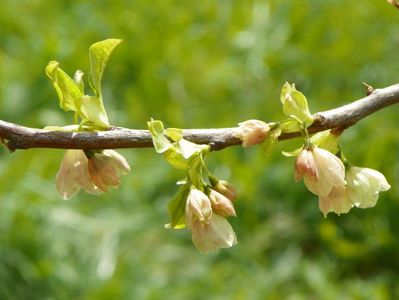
pixel 226 189
pixel 221 205
pixel 106 167
pixel 321 170
pixel 212 235
pixel 74 174
pixel 252 132
pixel 364 186
pixel 336 201
pixel 198 207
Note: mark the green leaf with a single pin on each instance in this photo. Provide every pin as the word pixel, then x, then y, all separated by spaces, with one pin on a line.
pixel 174 133
pixel 188 148
pixel 176 208
pixel 175 158
pixel 271 141
pixel 67 90
pixel 325 140
pixel 68 128
pixel 92 111
pixel 194 173
pixel 296 152
pixel 161 143
pixel 290 125
pixel 295 104
pixel 99 56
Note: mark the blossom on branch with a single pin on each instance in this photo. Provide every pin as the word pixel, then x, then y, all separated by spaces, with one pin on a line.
pixel 252 132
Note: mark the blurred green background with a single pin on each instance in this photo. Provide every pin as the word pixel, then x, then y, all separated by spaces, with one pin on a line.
pixel 198 64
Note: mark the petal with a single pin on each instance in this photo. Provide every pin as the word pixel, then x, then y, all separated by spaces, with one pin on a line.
pixel 336 201
pixel 215 234
pixel 329 166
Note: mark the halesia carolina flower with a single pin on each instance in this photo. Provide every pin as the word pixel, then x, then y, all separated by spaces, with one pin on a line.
pixel 210 231
pixel 106 167
pixel 212 235
pixel 198 206
pixel 221 205
pixel 364 186
pixel 74 174
pixel 336 201
pixel 226 189
pixel 253 132
pixel 321 170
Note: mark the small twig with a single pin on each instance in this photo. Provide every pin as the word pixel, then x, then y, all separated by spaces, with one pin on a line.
pixel 19 137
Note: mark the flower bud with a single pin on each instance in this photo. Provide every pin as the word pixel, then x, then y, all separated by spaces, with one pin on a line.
pixel 74 174
pixel 364 186
pixel 198 206
pixel 227 190
pixel 321 170
pixel 253 132
pixel 106 167
pixel 221 204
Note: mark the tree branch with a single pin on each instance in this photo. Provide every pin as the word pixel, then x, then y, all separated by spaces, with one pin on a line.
pixel 19 137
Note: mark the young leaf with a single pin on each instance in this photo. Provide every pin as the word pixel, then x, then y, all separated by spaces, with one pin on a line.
pixel 271 141
pixel 295 104
pixel 161 143
pixel 188 148
pixel 67 90
pixel 175 158
pixel 176 208
pixel 99 55
pixel 174 133
pixel 326 140
pixel 92 111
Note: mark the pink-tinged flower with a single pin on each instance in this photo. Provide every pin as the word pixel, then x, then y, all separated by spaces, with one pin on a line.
pixel 198 207
pixel 74 174
pixel 364 186
pixel 336 201
pixel 221 205
pixel 106 167
pixel 321 170
pixel 212 235
pixel 253 132
pixel 226 189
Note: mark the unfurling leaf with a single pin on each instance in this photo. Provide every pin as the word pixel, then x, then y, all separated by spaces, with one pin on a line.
pixel 295 104
pixel 67 90
pixel 271 141
pixel 176 208
pixel 161 143
pixel 99 55
pixel 92 111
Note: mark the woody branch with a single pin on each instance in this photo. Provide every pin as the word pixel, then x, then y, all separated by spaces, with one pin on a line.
pixel 15 136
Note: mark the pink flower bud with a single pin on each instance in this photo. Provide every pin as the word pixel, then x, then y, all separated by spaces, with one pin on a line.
pixel 226 189
pixel 321 170
pixel 221 204
pixel 106 167
pixel 253 132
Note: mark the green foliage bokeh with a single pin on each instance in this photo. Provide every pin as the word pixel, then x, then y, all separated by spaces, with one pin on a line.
pixel 197 64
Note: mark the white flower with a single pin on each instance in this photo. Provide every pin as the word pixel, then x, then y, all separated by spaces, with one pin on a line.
pixel 336 201
pixel 106 167
pixel 198 206
pixel 252 132
pixel 74 174
pixel 214 234
pixel 321 170
pixel 221 204
pixel 364 186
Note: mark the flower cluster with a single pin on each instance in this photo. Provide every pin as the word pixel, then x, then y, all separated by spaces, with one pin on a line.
pixel 95 172
pixel 324 175
pixel 206 214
